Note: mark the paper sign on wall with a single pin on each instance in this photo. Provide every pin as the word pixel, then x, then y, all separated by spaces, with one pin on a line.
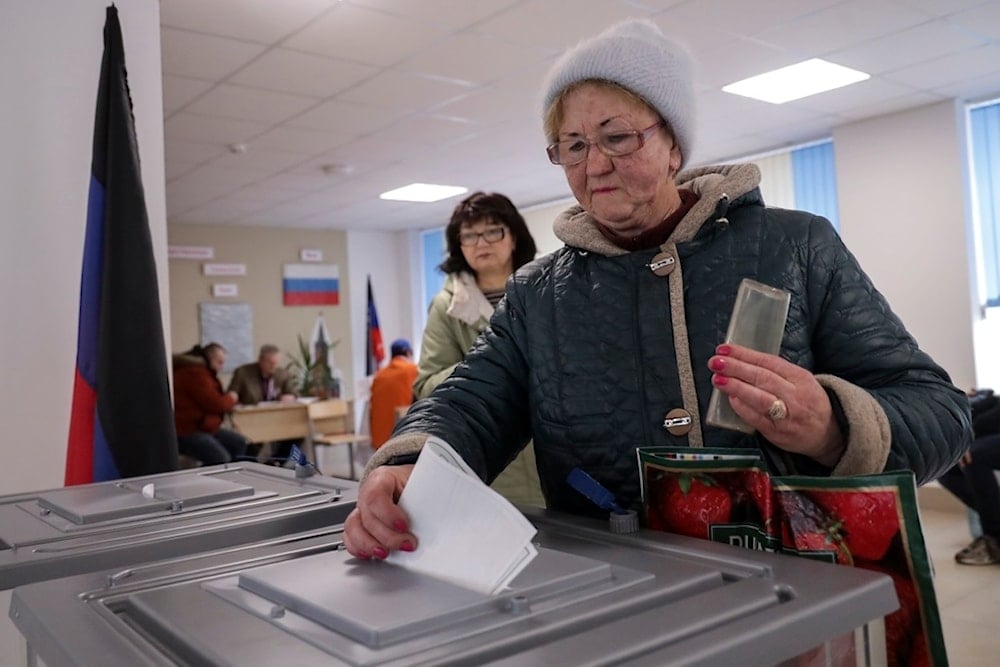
pixel 311 255
pixel 224 269
pixel 225 289
pixel 190 252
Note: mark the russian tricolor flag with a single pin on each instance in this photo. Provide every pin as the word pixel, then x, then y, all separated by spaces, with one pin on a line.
pixel 311 285
pixel 121 420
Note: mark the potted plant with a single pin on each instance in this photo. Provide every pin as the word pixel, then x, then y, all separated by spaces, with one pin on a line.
pixel 313 374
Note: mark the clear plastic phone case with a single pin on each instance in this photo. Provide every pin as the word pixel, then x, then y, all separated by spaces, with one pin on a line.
pixel 757 322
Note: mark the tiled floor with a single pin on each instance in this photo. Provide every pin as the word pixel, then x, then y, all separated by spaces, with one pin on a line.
pixel 968 597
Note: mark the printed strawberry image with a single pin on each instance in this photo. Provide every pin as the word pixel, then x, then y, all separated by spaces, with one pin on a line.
pixel 758 483
pixel 689 504
pixel 807 527
pixel 869 520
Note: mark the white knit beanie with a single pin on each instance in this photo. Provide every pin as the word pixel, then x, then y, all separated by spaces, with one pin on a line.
pixel 635 55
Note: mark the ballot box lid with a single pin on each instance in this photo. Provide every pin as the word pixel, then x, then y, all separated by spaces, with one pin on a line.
pixel 589 598
pixel 58 532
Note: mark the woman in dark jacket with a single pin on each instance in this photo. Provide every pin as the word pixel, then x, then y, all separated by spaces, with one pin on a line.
pixel 613 341
pixel 200 406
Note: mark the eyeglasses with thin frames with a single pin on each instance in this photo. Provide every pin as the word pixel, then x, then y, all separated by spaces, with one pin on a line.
pixel 491 235
pixel 615 141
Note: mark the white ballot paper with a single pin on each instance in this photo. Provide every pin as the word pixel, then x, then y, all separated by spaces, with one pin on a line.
pixel 469 534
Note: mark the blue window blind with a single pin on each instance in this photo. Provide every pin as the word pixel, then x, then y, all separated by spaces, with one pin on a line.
pixel 814 178
pixel 432 252
pixel 984 136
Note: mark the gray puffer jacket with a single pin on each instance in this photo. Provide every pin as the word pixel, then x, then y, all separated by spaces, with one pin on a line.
pixel 590 349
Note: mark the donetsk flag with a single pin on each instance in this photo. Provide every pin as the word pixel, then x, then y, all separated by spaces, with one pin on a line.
pixel 375 348
pixel 310 285
pixel 121 423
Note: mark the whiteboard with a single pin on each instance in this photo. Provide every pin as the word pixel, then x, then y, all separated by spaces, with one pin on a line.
pixel 231 325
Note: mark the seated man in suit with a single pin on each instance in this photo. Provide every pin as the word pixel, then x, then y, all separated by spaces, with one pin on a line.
pixel 266 380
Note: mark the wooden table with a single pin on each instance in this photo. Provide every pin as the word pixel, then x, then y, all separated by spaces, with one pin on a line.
pixel 270 422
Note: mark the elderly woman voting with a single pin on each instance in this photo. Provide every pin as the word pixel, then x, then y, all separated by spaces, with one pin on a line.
pixel 616 340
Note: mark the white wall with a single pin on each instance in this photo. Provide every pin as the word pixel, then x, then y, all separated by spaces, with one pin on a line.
pixel 904 214
pixel 50 58
pixel 386 256
pixel 539 220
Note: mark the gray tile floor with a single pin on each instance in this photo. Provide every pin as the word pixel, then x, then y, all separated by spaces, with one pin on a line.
pixel 968 596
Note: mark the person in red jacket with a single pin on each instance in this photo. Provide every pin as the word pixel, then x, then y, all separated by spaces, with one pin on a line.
pixel 200 405
pixel 392 387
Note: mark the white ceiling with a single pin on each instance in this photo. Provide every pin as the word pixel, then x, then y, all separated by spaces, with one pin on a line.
pixel 447 91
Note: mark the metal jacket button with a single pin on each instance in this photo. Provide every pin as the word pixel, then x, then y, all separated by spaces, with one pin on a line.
pixel 663 264
pixel 678 421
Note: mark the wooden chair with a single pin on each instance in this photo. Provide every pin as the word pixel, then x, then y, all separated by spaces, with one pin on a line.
pixel 331 422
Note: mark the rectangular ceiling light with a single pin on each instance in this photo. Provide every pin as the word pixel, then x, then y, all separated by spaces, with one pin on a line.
pixel 796 81
pixel 423 192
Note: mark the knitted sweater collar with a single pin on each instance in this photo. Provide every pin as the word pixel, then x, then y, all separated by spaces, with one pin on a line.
pixel 577 229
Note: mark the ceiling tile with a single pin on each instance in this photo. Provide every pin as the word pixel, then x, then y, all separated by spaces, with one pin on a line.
pixel 243 103
pixel 350 119
pixel 302 73
pixel 548 24
pixel 222 131
pixel 203 56
pixel 448 91
pixel 950 69
pixel 346 32
pixel 983 19
pixel 192 151
pixel 297 140
pixel 927 41
pixel 749 18
pixel 446 13
pixel 179 90
pixel 477 59
pixel 411 92
pixel 841 26
pixel 263 21
pixel 258 160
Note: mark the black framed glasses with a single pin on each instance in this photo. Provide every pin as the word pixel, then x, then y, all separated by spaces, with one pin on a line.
pixel 617 139
pixel 491 235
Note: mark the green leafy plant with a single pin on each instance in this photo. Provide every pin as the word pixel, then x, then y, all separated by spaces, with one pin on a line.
pixel 313 376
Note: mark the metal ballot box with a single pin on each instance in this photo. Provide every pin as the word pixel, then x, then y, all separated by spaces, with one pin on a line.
pixel 71 530
pixel 590 598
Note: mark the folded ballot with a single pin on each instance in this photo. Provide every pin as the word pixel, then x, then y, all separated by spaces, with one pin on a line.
pixel 469 534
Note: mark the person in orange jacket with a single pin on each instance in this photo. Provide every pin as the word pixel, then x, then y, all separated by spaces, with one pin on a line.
pixel 392 387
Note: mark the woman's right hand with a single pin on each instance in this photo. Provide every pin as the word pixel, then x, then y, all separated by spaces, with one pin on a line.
pixel 377 526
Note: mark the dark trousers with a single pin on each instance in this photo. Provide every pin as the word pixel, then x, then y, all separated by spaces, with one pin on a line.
pixel 281 450
pixel 213 448
pixel 976 484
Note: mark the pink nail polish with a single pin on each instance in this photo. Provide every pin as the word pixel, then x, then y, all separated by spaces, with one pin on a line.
pixel 399 526
pixel 724 350
pixel 380 553
pixel 364 555
pixel 717 364
pixel 406 546
pixel 720 380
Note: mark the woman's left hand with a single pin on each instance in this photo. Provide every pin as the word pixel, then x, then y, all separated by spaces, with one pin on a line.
pixel 784 402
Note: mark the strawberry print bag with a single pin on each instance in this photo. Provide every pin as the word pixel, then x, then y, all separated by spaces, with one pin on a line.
pixel 868 521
